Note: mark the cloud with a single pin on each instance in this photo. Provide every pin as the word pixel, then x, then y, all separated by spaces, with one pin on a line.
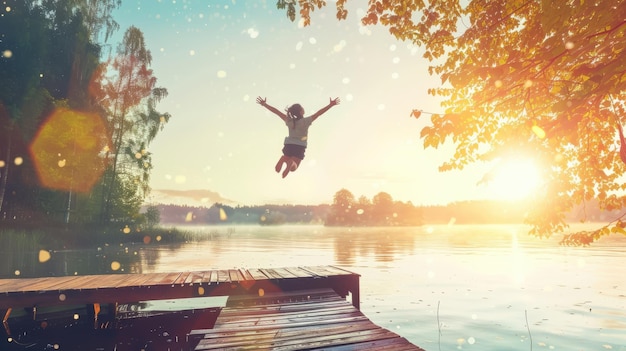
pixel 188 197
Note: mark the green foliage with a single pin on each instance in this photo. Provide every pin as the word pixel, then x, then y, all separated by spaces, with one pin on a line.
pixel 152 217
pixel 540 78
pixel 126 89
pixel 52 60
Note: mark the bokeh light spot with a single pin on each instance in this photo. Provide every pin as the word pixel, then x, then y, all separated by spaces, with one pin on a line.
pixel 261 292
pixel 253 33
pixel 7 54
pixel 44 256
pixel 115 265
pixel 79 137
pixel 126 230
pixel 62 297
pixel 189 217
pixel 18 161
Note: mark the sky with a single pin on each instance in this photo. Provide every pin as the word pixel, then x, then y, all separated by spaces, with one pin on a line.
pixel 216 57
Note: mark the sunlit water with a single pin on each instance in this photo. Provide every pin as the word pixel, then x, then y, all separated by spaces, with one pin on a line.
pixel 447 287
pixel 474 287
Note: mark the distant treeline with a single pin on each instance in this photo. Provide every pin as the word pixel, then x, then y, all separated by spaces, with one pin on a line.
pixel 223 214
pixel 464 212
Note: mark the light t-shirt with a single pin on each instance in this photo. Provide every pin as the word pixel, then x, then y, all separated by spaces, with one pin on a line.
pixel 299 134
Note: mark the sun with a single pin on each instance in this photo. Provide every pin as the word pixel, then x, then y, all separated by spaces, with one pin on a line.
pixel 514 179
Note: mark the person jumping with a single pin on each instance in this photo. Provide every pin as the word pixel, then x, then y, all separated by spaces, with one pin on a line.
pixel 296 141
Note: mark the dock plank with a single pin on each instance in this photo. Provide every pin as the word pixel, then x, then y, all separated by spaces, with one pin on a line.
pixel 194 278
pixel 181 278
pixel 235 275
pixel 338 270
pixel 298 272
pixel 134 280
pixel 207 277
pixel 285 273
pixel 257 274
pixel 223 276
pixel 155 279
pixel 246 274
pixel 270 273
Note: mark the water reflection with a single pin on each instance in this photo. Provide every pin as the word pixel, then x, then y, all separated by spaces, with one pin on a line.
pixel 103 260
pixel 382 244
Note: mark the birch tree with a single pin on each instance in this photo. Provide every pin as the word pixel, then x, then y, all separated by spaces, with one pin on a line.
pixel 128 93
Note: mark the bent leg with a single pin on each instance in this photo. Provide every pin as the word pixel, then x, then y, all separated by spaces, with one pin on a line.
pixel 292 165
pixel 295 164
pixel 282 160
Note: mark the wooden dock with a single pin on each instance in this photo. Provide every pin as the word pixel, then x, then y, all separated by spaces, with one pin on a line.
pixel 296 320
pixel 293 308
pixel 127 288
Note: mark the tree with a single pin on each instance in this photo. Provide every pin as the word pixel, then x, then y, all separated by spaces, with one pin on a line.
pixel 542 78
pixel 342 210
pixel 46 62
pixel 364 210
pixel 383 208
pixel 126 89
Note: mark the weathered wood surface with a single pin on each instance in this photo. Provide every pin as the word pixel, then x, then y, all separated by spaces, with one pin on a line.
pixel 298 320
pixel 125 288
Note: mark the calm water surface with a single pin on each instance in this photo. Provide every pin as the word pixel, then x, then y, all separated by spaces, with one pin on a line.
pixel 480 287
pixel 447 287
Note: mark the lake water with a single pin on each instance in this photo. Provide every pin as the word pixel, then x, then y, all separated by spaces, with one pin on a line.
pixel 461 287
pixel 488 287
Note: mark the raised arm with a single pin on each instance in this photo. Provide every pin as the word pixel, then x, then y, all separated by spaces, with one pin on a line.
pixel 263 102
pixel 332 103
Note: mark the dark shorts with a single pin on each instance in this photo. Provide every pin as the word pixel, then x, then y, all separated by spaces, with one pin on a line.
pixel 293 150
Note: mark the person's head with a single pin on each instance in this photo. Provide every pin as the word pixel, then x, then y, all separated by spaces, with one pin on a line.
pixel 295 111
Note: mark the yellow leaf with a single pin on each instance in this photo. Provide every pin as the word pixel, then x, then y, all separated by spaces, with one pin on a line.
pixel 540 133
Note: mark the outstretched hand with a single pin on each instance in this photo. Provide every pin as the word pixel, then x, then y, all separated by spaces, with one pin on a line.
pixel 261 101
pixel 334 101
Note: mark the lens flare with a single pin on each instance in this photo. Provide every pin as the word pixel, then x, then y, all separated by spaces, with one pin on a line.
pixel 79 137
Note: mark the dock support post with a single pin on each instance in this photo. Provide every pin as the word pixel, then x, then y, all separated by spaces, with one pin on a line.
pixel 5 321
pixel 356 292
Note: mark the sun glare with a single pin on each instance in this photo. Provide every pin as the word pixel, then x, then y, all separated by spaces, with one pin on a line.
pixel 515 179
